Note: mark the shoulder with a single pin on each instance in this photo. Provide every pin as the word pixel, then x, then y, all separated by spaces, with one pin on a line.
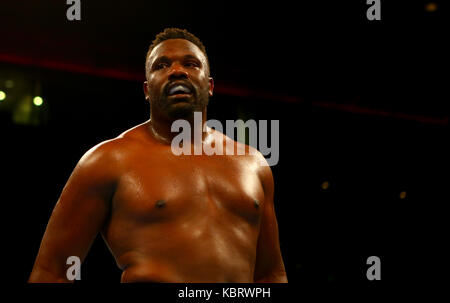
pixel 110 154
pixel 103 152
pixel 252 158
pixel 98 166
pixel 101 167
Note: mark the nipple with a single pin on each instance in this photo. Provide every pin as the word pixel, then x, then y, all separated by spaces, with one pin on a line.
pixel 160 203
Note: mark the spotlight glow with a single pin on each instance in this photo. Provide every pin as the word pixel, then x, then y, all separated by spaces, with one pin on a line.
pixel 38 101
pixel 431 7
pixel 2 95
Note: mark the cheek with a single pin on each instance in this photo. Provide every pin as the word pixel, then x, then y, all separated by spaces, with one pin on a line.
pixel 203 79
pixel 153 86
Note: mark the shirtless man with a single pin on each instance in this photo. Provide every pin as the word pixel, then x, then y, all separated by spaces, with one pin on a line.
pixel 168 218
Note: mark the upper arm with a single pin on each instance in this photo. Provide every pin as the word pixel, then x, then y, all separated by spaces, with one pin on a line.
pixel 78 215
pixel 269 262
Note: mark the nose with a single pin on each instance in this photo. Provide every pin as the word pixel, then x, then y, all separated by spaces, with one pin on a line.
pixel 177 71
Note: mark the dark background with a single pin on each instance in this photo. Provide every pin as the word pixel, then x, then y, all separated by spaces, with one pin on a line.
pixel 360 104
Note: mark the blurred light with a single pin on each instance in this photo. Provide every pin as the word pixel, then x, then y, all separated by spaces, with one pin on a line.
pixel 38 101
pixel 431 7
pixel 402 195
pixel 2 95
pixel 325 185
pixel 9 83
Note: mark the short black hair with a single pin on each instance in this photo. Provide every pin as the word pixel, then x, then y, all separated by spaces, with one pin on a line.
pixel 176 33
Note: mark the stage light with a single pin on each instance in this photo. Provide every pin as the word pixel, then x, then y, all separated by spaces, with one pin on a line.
pixel 2 95
pixel 325 185
pixel 38 101
pixel 402 195
pixel 431 7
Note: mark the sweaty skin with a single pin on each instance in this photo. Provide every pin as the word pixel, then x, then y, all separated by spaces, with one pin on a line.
pixel 167 218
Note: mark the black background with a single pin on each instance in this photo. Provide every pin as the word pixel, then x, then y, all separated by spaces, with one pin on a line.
pixel 360 105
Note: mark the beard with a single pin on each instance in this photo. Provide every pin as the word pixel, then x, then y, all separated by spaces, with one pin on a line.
pixel 183 110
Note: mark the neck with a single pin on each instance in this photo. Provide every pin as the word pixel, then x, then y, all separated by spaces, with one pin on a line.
pixel 161 128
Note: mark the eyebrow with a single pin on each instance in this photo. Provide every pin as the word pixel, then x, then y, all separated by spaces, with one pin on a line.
pixel 166 59
pixel 192 57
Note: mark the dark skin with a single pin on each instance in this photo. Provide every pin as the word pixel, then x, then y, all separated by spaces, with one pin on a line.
pixel 168 218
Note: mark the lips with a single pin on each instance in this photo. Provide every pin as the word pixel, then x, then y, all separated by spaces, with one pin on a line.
pixel 178 88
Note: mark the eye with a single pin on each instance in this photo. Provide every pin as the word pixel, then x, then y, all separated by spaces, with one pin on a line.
pixel 161 65
pixel 192 64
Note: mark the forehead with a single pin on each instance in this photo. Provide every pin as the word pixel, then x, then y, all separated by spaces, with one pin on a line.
pixel 176 48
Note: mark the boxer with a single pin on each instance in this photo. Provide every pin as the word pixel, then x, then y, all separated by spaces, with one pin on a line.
pixel 167 217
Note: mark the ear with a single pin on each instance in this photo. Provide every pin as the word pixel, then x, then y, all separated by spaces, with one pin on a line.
pixel 146 90
pixel 211 86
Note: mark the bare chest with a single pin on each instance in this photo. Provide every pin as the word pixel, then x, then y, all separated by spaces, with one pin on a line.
pixel 168 188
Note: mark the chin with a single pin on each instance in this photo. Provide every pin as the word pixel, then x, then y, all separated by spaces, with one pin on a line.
pixel 185 110
pixel 180 112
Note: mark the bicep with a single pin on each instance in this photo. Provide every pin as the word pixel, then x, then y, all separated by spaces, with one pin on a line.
pixel 269 265
pixel 269 262
pixel 76 219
